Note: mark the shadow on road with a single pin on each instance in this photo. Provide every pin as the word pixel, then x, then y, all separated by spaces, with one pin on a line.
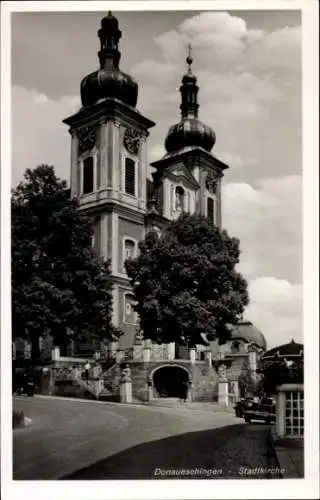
pixel 218 453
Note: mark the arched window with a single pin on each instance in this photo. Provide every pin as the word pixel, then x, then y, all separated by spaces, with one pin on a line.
pixel 130 177
pixel 179 199
pixel 210 208
pixel 129 314
pixel 88 175
pixel 235 346
pixel 129 249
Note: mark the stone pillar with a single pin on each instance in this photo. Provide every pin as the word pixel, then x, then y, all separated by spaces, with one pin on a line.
pixel 100 385
pixel 171 351
pixel 119 355
pixel 280 413
pixel 223 394
pixel 209 357
pixel 146 354
pixel 126 386
pixel 192 354
pixel 223 386
pixel 55 354
pixel 150 390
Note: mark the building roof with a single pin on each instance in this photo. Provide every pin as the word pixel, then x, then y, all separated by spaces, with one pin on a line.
pixel 292 350
pixel 246 331
pixel 109 81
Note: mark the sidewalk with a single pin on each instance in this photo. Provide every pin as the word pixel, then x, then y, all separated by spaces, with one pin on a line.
pixel 290 455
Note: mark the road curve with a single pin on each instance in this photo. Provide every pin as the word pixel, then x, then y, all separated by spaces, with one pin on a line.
pixel 68 435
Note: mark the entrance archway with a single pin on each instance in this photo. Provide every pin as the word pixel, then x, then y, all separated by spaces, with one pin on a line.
pixel 171 382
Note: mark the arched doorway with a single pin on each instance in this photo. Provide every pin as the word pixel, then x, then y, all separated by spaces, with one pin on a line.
pixel 171 382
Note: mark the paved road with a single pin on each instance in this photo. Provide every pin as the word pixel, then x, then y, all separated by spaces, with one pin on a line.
pixel 110 441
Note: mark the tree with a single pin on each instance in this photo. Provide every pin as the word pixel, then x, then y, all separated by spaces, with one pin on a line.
pixel 247 383
pixel 185 283
pixel 59 286
pixel 279 372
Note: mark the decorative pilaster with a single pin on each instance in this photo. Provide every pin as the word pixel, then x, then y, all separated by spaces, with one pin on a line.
pixel 103 163
pixel 143 172
pixel 75 177
pixel 115 305
pixel 115 174
pixel 202 196
pixel 115 243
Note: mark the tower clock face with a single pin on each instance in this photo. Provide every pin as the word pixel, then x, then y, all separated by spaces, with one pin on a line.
pixel 131 141
pixel 87 139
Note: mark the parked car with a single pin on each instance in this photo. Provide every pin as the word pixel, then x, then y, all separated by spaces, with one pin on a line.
pixel 264 409
pixel 26 388
pixel 242 404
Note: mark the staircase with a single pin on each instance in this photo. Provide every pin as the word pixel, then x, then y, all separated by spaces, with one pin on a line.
pixel 91 386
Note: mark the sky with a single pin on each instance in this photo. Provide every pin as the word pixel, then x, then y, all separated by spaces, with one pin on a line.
pixel 248 65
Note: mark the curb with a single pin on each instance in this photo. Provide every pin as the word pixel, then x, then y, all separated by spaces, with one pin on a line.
pixel 134 405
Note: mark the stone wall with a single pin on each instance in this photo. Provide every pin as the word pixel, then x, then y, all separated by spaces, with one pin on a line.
pixel 202 375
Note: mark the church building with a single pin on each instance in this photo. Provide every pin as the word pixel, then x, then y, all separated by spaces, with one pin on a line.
pixel 111 177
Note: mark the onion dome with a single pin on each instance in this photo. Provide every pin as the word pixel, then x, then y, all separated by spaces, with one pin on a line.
pixel 109 81
pixel 190 131
pixel 246 331
pixel 291 351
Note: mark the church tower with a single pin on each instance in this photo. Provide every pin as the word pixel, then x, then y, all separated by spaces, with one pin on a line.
pixel 188 177
pixel 109 167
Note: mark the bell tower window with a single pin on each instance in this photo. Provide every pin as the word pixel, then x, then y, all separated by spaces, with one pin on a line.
pixel 130 177
pixel 88 175
pixel 210 209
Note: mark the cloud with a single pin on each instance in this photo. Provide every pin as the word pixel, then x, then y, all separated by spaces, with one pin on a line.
pixel 267 219
pixel 276 309
pixel 39 136
pixel 250 88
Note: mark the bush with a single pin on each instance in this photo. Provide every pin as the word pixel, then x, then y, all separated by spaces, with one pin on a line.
pixel 17 419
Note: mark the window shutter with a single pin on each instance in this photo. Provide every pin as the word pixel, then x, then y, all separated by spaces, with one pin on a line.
pixel 130 177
